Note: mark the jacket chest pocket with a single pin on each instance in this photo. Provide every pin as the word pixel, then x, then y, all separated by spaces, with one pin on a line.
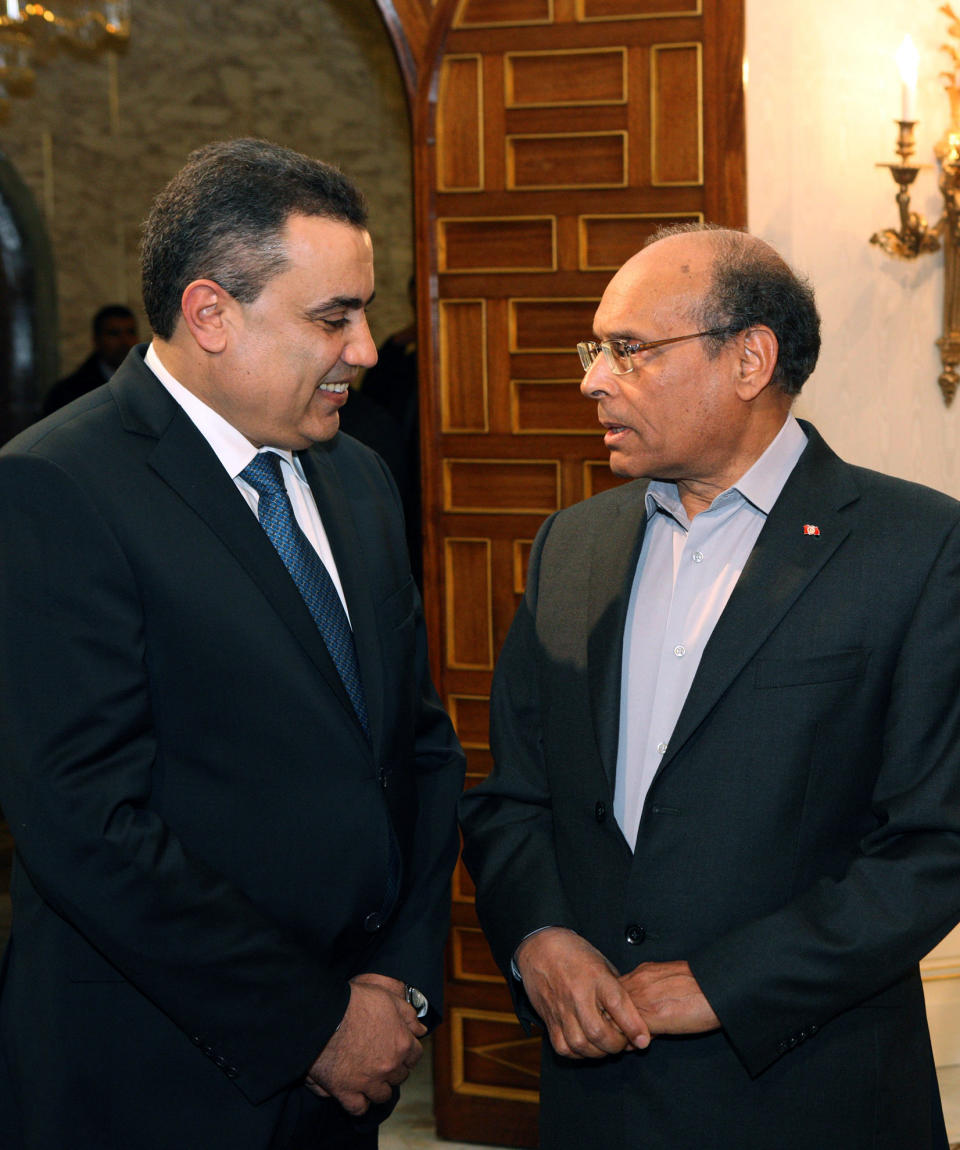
pixel 835 667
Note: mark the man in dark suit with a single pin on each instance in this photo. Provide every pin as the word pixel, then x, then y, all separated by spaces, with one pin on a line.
pixel 114 334
pixel 229 779
pixel 723 825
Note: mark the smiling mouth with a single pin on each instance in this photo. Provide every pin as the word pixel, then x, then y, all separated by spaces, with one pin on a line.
pixel 337 387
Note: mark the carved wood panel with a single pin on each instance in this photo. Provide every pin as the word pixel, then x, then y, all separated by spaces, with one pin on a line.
pixel 552 137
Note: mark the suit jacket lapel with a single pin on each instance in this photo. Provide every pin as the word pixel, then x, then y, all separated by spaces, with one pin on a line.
pixel 617 535
pixel 782 563
pixel 187 463
pixel 348 551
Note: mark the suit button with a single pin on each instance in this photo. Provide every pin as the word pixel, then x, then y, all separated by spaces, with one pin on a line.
pixel 231 1071
pixel 600 810
pixel 782 1047
pixel 635 934
pixel 372 923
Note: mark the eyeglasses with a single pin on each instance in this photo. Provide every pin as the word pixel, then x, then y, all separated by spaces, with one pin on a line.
pixel 619 353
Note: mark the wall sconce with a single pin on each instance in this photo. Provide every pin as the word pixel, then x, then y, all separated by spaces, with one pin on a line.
pixel 914 237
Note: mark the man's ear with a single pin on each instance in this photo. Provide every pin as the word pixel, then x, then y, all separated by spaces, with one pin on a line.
pixel 204 304
pixel 758 359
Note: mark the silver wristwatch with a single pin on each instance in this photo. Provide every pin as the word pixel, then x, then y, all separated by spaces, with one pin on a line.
pixel 417 999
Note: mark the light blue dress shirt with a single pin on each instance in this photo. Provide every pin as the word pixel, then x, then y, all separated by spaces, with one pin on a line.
pixel 686 572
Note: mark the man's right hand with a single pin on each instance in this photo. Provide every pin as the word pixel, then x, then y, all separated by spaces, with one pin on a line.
pixel 577 994
pixel 374 1049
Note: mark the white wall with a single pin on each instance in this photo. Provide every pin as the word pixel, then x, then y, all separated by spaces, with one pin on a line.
pixel 822 97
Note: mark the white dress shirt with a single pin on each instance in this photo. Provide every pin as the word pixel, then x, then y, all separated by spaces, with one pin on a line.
pixel 235 451
pixel 686 572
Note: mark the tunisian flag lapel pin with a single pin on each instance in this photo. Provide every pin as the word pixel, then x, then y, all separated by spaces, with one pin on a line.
pixel 810 529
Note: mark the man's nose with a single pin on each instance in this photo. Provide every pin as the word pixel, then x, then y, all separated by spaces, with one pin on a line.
pixel 360 350
pixel 595 382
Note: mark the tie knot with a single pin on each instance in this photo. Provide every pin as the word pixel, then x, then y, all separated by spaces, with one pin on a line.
pixel 263 473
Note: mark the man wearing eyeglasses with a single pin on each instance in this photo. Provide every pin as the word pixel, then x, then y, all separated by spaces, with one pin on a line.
pixel 723 826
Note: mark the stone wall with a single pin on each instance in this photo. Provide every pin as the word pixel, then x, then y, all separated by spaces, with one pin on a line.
pixel 99 138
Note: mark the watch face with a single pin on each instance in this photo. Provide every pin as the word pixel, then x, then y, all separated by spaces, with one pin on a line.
pixel 417 999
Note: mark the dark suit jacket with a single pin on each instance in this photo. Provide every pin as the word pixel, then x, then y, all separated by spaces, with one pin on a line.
pixel 800 845
pixel 203 831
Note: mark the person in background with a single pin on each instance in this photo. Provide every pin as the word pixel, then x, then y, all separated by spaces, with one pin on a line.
pixel 230 782
pixel 114 334
pixel 723 824
pixel 392 384
pixel 366 420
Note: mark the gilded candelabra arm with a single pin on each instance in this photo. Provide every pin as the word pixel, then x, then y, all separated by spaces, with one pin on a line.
pixel 914 236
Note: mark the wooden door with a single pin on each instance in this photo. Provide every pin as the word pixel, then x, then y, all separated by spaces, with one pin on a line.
pixel 551 137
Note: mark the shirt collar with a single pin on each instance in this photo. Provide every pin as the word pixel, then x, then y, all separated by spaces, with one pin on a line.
pixel 230 446
pixel 760 485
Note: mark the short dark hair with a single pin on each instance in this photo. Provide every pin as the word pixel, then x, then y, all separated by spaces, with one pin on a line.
pixel 222 218
pixel 752 284
pixel 110 311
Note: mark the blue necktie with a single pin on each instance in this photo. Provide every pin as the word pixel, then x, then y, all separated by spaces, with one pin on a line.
pixel 307 571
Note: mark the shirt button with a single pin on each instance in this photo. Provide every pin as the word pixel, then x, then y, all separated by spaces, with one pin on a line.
pixel 679 650
pixel 697 556
pixel 661 748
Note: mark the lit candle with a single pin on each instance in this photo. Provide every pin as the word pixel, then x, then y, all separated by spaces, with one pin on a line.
pixel 907 60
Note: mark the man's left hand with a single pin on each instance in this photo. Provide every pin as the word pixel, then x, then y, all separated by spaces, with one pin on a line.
pixel 392 986
pixel 373 1049
pixel 669 998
